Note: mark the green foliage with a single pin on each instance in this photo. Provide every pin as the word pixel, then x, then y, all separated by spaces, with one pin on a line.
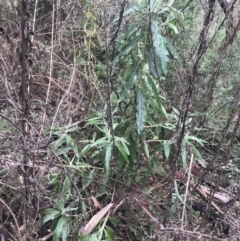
pixel 189 142
pixel 141 111
pixel 147 51
pixel 65 143
pixel 127 83
pixel 60 214
pixel 102 147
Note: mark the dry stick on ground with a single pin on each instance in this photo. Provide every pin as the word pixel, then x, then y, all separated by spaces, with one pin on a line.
pixel 186 192
pixel 48 236
pixel 14 217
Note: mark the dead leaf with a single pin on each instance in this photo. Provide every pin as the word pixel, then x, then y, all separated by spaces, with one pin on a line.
pixel 96 203
pixel 96 219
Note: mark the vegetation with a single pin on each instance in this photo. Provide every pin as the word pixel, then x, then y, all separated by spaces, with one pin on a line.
pixel 119 120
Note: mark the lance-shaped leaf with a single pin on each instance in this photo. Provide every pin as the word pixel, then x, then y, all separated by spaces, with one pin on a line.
pixel 122 151
pixel 141 111
pixel 108 155
pixel 131 78
pixel 152 4
pixel 171 49
pixel 159 45
pixel 59 228
pixel 129 46
pixel 96 219
pixel 153 62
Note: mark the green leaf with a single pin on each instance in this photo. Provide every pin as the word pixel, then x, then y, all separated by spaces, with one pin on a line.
pixel 153 63
pixel 133 29
pixel 131 79
pixel 159 45
pixel 146 150
pixel 164 111
pixel 85 238
pixel 81 165
pixel 194 138
pixel 96 154
pixel 56 130
pixel 109 233
pixel 68 139
pixel 115 125
pixel 59 206
pixel 58 142
pixel 68 209
pixel 114 221
pixel 132 149
pixel 87 179
pixel 50 214
pixel 54 178
pixel 86 149
pixel 122 151
pixel 108 156
pixel 184 157
pixel 166 148
pixel 195 150
pixel 65 189
pixel 170 3
pixel 73 129
pixel 94 121
pixel 75 149
pixel 142 84
pixel 101 142
pixel 59 228
pixel 129 46
pixel 173 27
pixel 92 237
pixel 67 229
pixel 155 106
pixel 84 207
pixel 63 150
pixel 152 4
pixel 125 146
pixel 172 49
pixel 141 111
pixel 154 88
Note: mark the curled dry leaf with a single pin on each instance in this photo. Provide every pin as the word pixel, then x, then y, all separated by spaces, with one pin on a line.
pixel 96 219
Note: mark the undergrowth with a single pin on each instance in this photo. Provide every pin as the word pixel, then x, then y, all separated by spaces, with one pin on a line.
pixel 119 120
